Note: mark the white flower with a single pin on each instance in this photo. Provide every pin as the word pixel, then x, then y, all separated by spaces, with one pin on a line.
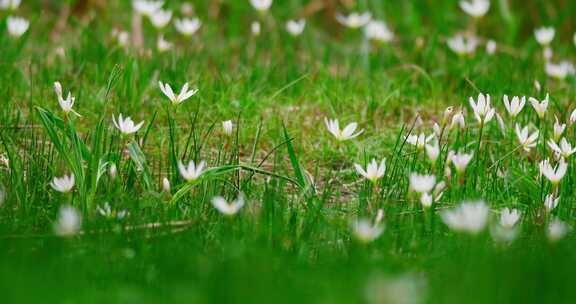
pixel 373 170
pixel 491 47
pixel 226 208
pixel 551 202
pixel 9 4
pixel 378 31
pixel 433 151
pixel 354 20
pixel 422 183
pixel 515 107
pixel 69 221
pixel 112 170
pixel 146 7
pixel 564 149
pixel 557 230
pixel 163 45
pixel 255 28
pixel 63 184
pixel 126 126
pixel 458 121
pixel 17 26
pixel 106 211
pixel 547 53
pixel 65 104
pixel 165 185
pixel 558 129
pixel 460 160
pixel 528 141
pixel 121 37
pixel 544 35
pixel 483 111
pixel 295 28
pixel 501 124
pixel 342 135
pixel 573 117
pixel 475 8
pixel 539 107
pixel 462 45
pixel 560 70
pixel 187 27
pixel 227 126
pixel 180 98
pixel 420 140
pixel 192 172
pixel 537 85
pixel 261 5
pixel 366 232
pixel 553 174
pixel 509 217
pixel 161 18
pixel 426 200
pixel 470 217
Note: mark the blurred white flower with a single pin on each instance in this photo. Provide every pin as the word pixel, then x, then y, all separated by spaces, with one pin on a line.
pixel 261 5
pixel 560 70
pixel 378 31
pixel 365 231
pixel 9 4
pixel 354 20
pixel 112 170
pixel 491 47
pixel 540 106
pixel 63 184
pixel 528 141
pixel 126 126
pixel 191 172
pixel 187 26
pixel 163 45
pixel 426 200
pixel 69 222
pixel 106 211
pixel 572 117
pixel 460 160
pixel 551 202
pixel 146 7
pixel 537 85
pixel 544 35
pixel 515 106
pixel 419 140
pixel 161 18
pixel 226 208
pixel 462 45
pixel 373 170
pixel 553 174
pixel 475 8
pixel 470 217
pixel 402 289
pixel 433 151
pixel 422 183
pixel 255 28
pixel 295 28
pixel 121 37
pixel 557 229
pixel 458 121
pixel 165 185
pixel 17 26
pixel 180 98
pixel 227 126
pixel 483 111
pixel 564 150
pixel 342 135
pixel 509 217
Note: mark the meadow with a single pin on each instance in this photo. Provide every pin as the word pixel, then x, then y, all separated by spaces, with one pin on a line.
pixel 259 151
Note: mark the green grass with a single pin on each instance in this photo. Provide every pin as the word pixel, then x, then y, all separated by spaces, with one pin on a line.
pixel 292 241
